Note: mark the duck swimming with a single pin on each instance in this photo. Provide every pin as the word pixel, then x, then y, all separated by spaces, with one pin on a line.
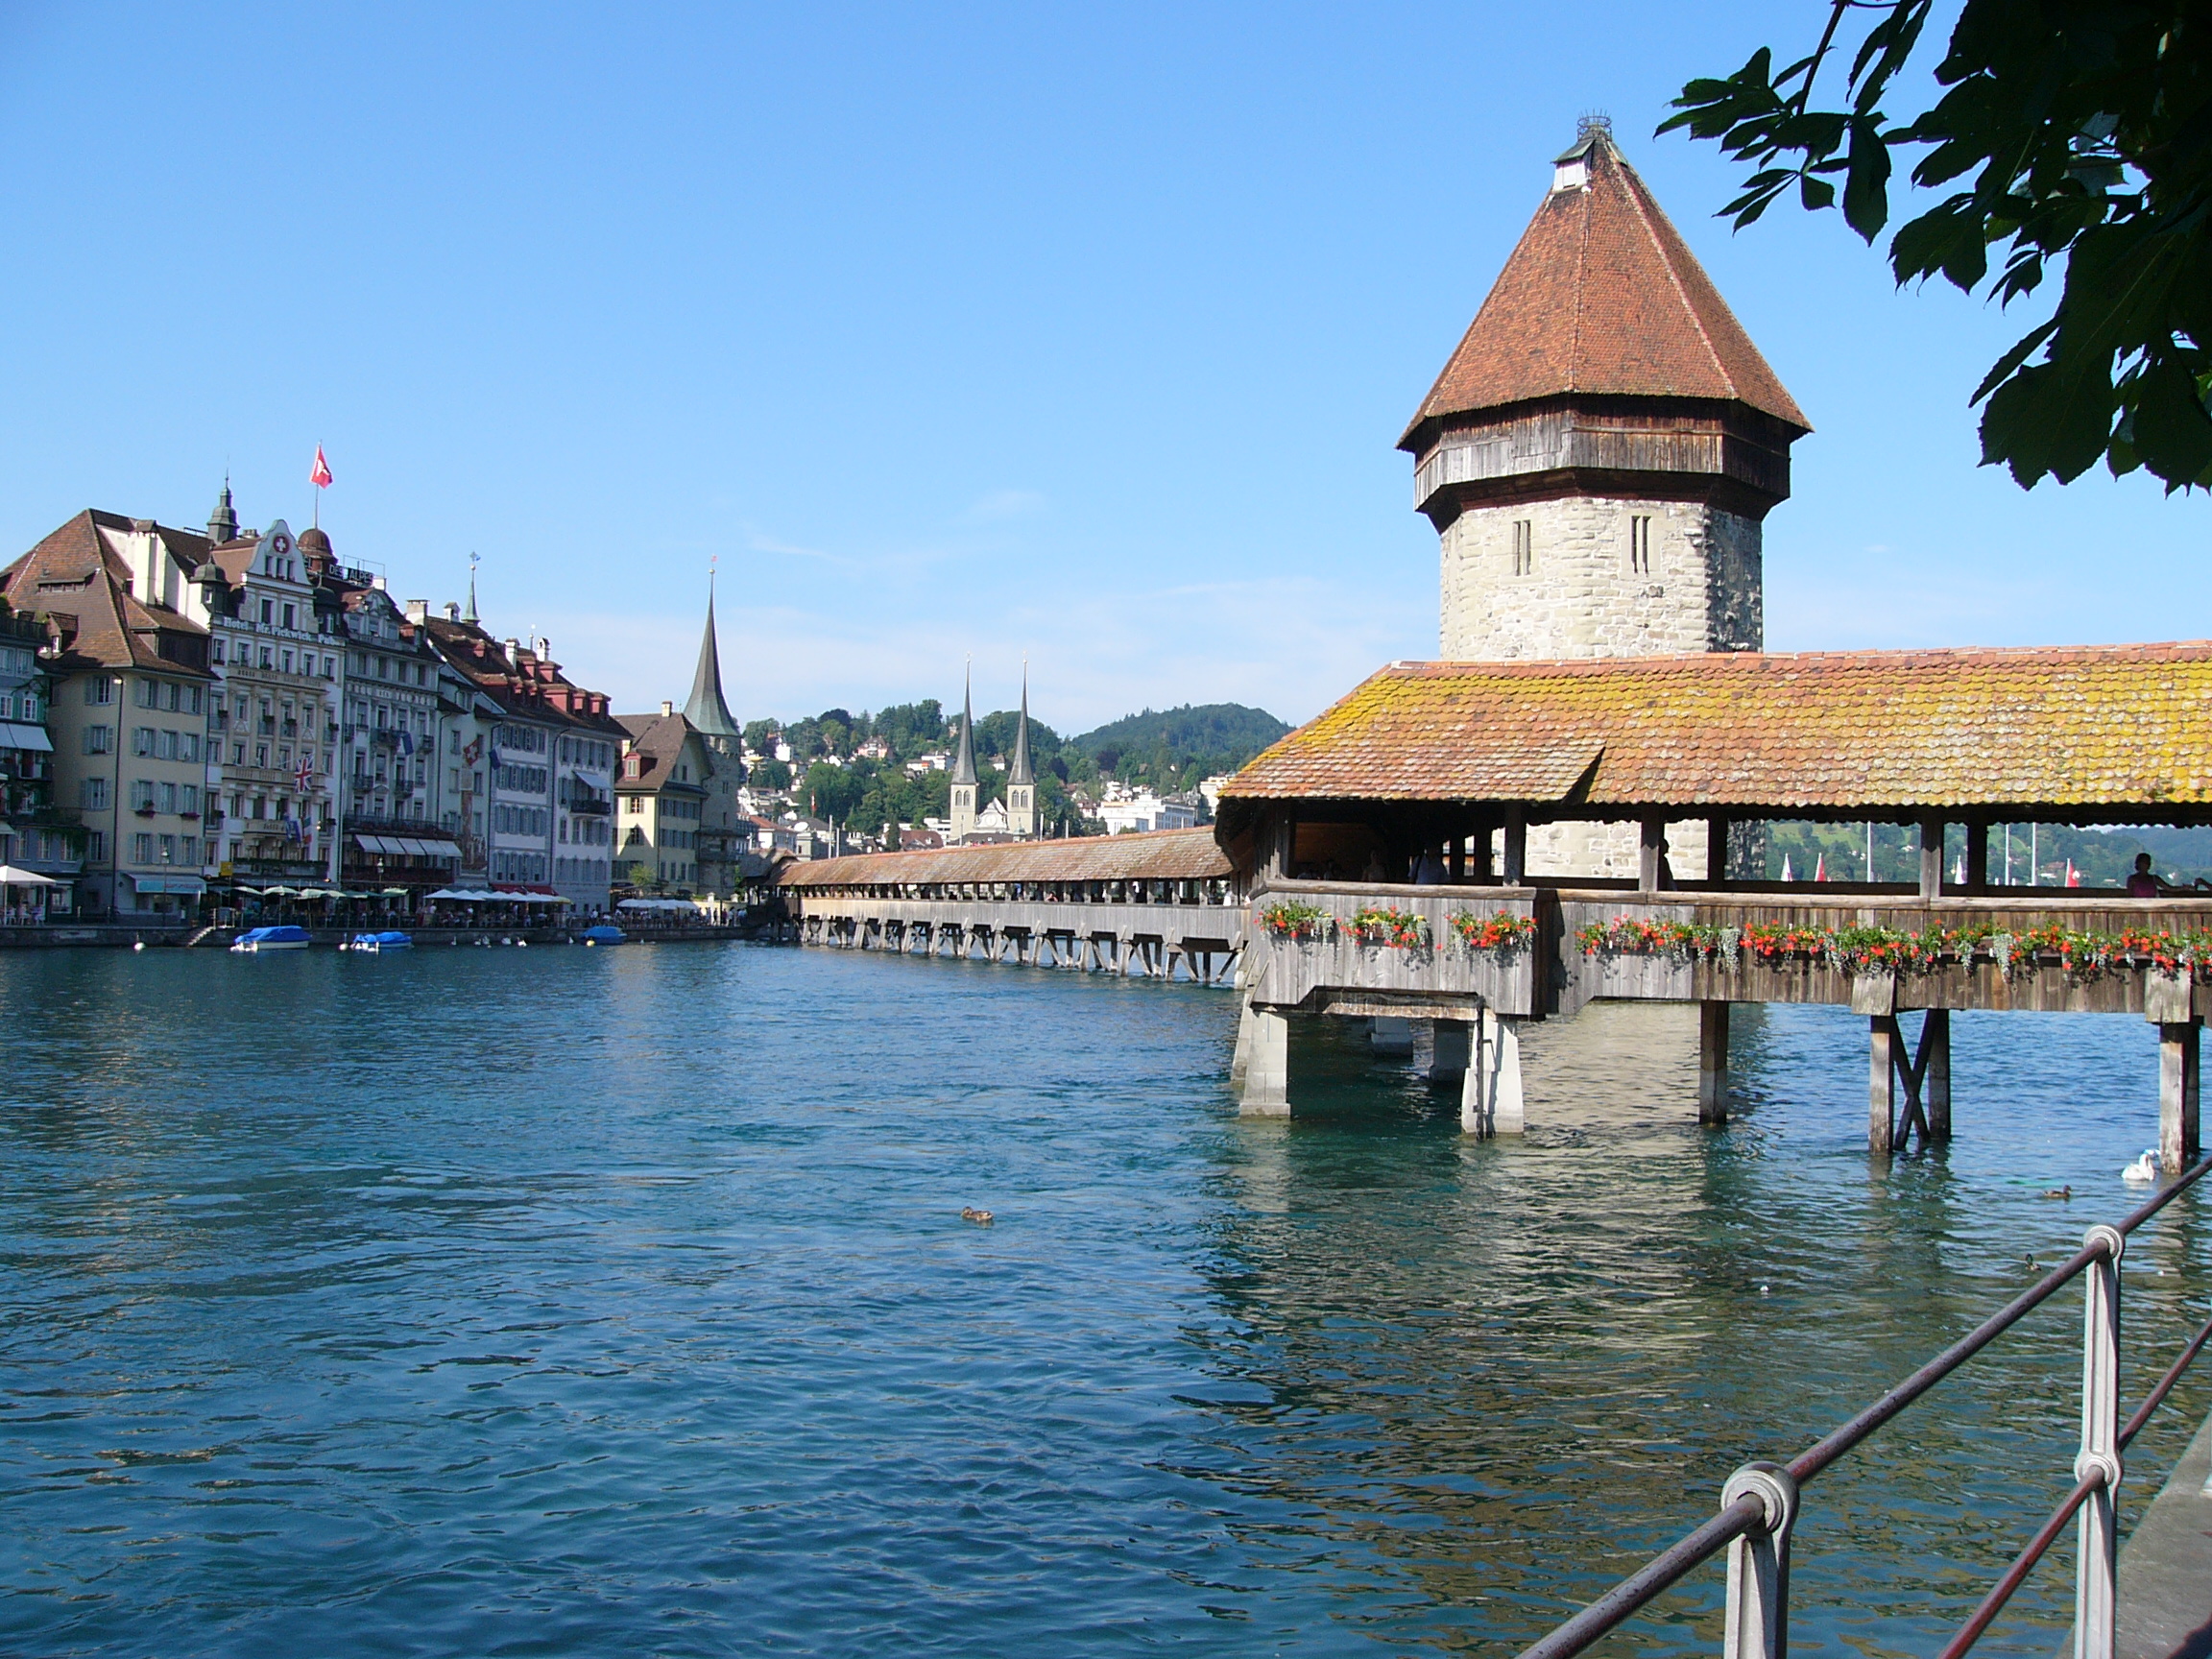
pixel 981 1218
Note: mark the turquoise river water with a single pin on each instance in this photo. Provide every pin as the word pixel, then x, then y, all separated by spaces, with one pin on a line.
pixel 618 1302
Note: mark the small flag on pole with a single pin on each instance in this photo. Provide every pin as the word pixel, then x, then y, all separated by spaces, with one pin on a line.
pixel 1786 875
pixel 321 476
pixel 2072 875
pixel 1820 868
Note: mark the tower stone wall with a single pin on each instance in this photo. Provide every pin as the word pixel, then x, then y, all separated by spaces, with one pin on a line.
pixel 1599 576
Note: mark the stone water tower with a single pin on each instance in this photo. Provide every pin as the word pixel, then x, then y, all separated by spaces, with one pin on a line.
pixel 1599 455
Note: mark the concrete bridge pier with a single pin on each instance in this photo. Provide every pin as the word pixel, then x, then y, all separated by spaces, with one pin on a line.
pixel 1391 1036
pixel 1452 1051
pixel 1490 1100
pixel 1263 1040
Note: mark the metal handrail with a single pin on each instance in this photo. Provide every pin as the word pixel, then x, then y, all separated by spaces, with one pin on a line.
pixel 1759 1502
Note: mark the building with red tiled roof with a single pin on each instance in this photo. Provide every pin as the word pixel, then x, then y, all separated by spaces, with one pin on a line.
pixel 661 789
pixel 1600 451
pixel 541 765
pixel 130 682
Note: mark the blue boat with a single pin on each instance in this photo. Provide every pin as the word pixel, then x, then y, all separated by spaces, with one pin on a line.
pixel 376 944
pixel 604 935
pixel 255 940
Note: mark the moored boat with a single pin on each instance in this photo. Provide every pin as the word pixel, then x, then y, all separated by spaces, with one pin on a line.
pixel 602 935
pixel 376 944
pixel 255 940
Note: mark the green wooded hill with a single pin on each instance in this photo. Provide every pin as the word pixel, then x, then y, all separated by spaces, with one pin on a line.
pixel 1194 741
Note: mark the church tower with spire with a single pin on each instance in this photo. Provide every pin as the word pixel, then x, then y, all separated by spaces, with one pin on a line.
pixel 706 708
pixel 1601 450
pixel 964 783
pixel 1021 775
pixel 1599 458
pixel 223 523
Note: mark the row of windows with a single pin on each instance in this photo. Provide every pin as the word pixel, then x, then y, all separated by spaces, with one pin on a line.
pixel 591 871
pixel 528 739
pixel 673 806
pixel 161 797
pixel 152 694
pixel 173 849
pixel 23 705
pixel 521 780
pixel 677 839
pixel 589 831
pixel 279 658
pixel 1639 545
pixel 518 867
pixel 587 752
pixel 161 744
pixel 405 673
pixel 258 809
pixel 283 762
pixel 521 820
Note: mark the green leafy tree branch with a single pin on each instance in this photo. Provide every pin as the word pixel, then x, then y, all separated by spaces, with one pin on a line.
pixel 2077 137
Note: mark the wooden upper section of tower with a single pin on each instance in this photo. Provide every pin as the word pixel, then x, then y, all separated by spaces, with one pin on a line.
pixel 1604 361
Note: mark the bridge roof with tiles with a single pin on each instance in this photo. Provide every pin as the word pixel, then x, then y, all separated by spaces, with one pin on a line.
pixel 1157 856
pixel 2108 734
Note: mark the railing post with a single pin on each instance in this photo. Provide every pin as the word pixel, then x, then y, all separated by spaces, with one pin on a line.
pixel 2095 1588
pixel 1758 1623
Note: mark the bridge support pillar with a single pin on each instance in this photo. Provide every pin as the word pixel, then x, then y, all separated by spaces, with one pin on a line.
pixel 2178 1075
pixel 1713 1059
pixel 1454 1052
pixel 1882 1083
pixel 1266 1091
pixel 1936 1071
pixel 1391 1036
pixel 1490 1101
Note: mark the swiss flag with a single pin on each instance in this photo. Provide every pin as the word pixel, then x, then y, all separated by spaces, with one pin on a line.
pixel 321 476
pixel 1820 868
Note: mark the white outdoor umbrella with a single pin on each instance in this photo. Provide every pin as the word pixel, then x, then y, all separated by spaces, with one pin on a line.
pixel 11 877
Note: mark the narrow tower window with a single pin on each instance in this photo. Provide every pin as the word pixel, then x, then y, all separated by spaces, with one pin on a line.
pixel 1640 545
pixel 1524 547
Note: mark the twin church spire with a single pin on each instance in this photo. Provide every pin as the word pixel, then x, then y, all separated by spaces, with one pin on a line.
pixel 1020 809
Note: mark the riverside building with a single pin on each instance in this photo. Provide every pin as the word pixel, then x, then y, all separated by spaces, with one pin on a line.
pixel 272 718
pixel 130 674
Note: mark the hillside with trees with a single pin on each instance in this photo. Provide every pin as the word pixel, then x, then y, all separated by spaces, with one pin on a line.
pixel 854 767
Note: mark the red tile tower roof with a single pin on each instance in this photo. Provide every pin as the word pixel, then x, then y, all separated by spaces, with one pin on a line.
pixel 1602 298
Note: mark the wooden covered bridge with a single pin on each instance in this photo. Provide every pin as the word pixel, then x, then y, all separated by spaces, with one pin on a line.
pixel 1443 768
pixel 1131 904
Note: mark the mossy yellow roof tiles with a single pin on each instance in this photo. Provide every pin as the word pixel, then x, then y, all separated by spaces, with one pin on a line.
pixel 2088 725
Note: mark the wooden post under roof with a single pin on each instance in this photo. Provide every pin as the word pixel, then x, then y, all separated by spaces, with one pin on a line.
pixel 1651 853
pixel 1881 1084
pixel 1515 846
pixel 1712 1062
pixel 1717 850
pixel 1977 856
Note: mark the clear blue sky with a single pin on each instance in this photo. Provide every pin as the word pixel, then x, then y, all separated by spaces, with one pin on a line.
pixel 1074 331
